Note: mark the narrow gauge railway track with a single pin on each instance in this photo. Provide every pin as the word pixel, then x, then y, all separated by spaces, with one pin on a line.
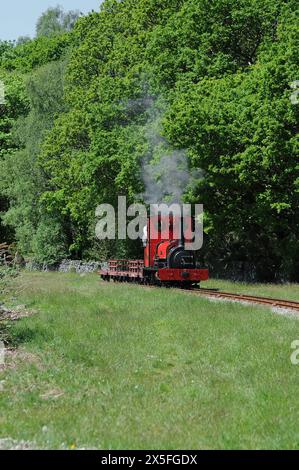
pixel 253 299
pixel 280 303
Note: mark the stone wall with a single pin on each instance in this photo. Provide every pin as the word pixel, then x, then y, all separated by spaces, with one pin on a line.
pixel 66 266
pixel 77 266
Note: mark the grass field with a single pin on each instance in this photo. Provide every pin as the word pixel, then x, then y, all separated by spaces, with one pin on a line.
pixel 119 366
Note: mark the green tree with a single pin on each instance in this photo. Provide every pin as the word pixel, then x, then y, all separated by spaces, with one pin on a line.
pixel 55 21
pixel 15 105
pixel 23 40
pixel 26 214
pixel 242 130
pixel 17 60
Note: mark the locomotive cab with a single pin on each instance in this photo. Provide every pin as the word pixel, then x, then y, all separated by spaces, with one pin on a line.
pixel 166 259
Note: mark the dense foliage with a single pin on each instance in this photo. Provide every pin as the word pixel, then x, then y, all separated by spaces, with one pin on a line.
pixel 55 21
pixel 74 129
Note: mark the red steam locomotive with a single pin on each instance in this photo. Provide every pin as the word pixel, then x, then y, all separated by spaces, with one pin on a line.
pixel 166 262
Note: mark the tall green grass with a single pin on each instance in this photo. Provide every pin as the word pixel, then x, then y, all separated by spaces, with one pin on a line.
pixel 120 366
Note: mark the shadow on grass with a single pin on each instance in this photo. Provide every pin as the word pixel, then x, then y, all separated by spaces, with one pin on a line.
pixel 5 334
pixel 20 334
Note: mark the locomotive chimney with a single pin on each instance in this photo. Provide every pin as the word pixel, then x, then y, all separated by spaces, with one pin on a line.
pixel 182 237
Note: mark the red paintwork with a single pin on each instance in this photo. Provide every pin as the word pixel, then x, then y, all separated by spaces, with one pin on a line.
pixel 134 269
pixel 194 275
pixel 164 231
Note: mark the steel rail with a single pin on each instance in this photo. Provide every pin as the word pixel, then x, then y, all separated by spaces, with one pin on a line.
pixel 281 303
